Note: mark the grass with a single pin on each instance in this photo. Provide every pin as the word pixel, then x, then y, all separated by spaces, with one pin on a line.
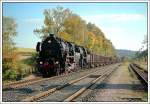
pixel 142 64
pixel 26 50
pixel 145 97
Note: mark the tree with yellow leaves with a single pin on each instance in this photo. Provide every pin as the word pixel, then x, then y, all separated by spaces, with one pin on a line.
pixel 9 56
pixel 71 27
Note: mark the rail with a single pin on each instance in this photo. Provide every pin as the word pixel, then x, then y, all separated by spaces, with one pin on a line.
pixel 142 75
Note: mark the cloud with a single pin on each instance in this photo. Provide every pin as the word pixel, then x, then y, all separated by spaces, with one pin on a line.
pixel 115 17
pixel 120 38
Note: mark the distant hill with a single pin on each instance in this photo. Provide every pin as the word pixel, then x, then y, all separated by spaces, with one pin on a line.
pixel 126 53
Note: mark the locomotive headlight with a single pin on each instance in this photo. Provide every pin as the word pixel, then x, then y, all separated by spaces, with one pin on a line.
pixel 57 62
pixel 41 62
pixel 49 41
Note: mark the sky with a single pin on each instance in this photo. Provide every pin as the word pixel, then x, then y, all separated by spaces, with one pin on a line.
pixel 125 24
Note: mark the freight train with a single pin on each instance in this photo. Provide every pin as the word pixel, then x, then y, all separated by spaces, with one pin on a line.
pixel 56 56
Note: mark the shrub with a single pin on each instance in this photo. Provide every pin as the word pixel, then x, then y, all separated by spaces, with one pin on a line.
pixel 10 74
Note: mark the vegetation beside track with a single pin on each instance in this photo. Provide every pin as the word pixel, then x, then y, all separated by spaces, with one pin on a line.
pixel 25 65
pixel 141 57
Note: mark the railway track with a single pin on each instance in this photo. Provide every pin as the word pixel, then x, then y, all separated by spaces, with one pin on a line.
pixel 31 89
pixel 142 75
pixel 23 83
pixel 71 90
pixel 20 83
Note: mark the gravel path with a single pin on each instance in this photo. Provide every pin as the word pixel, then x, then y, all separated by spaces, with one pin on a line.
pixel 16 95
pixel 120 86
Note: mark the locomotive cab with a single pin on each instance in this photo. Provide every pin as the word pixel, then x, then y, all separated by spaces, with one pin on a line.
pixel 38 46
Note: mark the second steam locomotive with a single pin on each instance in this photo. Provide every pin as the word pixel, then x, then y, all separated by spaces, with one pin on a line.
pixel 56 56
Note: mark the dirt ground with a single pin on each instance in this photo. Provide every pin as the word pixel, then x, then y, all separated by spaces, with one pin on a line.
pixel 121 86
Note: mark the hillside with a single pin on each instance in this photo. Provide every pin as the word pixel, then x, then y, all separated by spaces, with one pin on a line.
pixel 126 53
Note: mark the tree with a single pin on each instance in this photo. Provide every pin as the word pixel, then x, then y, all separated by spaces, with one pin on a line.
pixel 9 56
pixel 76 27
pixel 143 52
pixel 145 42
pixel 101 44
pixel 91 40
pixel 71 27
pixel 54 21
pixel 9 31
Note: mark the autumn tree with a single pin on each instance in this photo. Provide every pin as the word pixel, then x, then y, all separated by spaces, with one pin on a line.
pixel 76 27
pixel 54 21
pixel 71 27
pixel 9 56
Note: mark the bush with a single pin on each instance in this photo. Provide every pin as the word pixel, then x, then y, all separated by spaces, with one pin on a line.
pixel 16 70
pixel 32 60
pixel 10 75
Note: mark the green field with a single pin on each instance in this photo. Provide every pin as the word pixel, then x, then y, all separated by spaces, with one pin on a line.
pixel 25 53
pixel 26 50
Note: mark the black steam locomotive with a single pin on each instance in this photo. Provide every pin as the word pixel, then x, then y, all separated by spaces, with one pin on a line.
pixel 57 56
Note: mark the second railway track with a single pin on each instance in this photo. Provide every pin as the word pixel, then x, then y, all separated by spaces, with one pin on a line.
pixel 142 75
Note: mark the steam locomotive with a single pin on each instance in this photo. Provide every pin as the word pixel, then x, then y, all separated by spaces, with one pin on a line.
pixel 56 56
